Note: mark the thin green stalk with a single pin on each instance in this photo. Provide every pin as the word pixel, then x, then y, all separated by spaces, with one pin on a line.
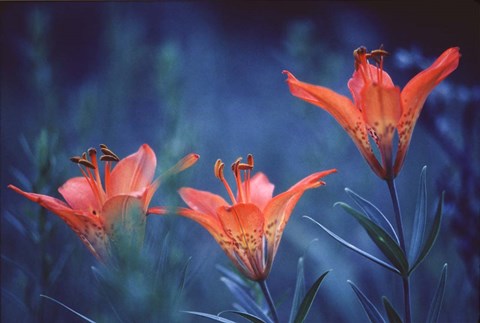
pixel 398 220
pixel 268 297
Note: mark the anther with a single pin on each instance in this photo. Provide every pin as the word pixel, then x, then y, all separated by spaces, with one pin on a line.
pixel 218 169
pixel 75 159
pixel 86 163
pixel 109 158
pixel 91 151
pixel 108 152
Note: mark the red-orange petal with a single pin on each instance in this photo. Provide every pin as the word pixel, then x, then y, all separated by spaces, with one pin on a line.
pixel 244 224
pixel 87 227
pixel 202 201
pixel 133 173
pixel 343 110
pixel 261 190
pixel 382 111
pixel 416 92
pixel 79 195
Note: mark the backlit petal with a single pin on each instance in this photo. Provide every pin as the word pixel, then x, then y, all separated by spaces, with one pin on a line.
pixel 202 201
pixel 343 110
pixel 261 190
pixel 133 173
pixel 382 112
pixel 79 195
pixel 415 93
pixel 244 224
pixel 88 228
pixel 124 219
pixel 279 209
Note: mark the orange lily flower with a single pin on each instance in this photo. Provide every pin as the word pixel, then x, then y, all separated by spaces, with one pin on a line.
pixel 102 217
pixel 379 107
pixel 249 230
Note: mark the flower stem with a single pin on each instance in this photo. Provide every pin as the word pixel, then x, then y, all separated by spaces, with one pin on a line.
pixel 268 297
pixel 398 220
pixel 396 209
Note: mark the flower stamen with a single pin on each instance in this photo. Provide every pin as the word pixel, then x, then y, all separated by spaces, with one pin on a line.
pixel 218 170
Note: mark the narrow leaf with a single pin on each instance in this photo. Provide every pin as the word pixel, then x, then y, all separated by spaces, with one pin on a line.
pixel 428 244
pixel 373 314
pixel 308 299
pixel 420 219
pixel 245 299
pixel 210 316
pixel 373 213
pixel 299 292
pixel 392 315
pixel 248 316
pixel 356 249
pixel 384 242
pixel 437 300
pixel 68 308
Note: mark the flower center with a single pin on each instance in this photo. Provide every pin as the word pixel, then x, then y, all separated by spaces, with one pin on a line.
pixel 89 167
pixel 243 189
pixel 361 57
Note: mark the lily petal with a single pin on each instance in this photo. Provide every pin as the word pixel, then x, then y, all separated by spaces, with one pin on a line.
pixel 415 93
pixel 88 228
pixel 244 224
pixel 79 195
pixel 382 112
pixel 343 110
pixel 133 173
pixel 261 190
pixel 202 201
pixel 124 219
pixel 278 210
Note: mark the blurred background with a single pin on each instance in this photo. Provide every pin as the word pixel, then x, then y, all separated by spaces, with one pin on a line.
pixel 206 77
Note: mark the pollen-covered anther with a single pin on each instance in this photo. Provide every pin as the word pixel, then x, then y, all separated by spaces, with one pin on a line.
pixel 86 163
pixel 218 169
pixel 109 158
pixel 75 159
pixel 107 152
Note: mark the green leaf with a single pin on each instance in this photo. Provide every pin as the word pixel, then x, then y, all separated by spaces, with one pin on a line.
pixel 420 219
pixel 392 315
pixel 437 300
pixel 384 242
pixel 356 249
pixel 245 299
pixel 308 299
pixel 68 308
pixel 428 244
pixel 373 314
pixel 299 292
pixel 210 316
pixel 248 316
pixel 373 213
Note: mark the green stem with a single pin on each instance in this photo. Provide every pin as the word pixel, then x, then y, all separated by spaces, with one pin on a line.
pixel 399 224
pixel 268 297
pixel 396 209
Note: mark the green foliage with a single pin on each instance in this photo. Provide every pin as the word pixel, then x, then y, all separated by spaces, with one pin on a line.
pixel 436 305
pixel 373 314
pixel 392 315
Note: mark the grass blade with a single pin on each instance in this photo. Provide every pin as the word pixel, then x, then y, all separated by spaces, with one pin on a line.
pixel 68 308
pixel 384 242
pixel 428 244
pixel 392 315
pixel 420 219
pixel 437 300
pixel 356 249
pixel 308 299
pixel 299 292
pixel 373 314
pixel 373 213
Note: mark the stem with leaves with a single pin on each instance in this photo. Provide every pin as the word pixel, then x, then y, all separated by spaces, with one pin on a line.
pixel 268 297
pixel 398 220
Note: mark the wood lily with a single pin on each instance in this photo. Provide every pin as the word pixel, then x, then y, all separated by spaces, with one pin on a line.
pixel 250 229
pixel 379 108
pixel 112 215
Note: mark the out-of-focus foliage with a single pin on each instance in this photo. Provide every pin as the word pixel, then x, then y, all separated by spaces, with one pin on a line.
pixel 206 77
